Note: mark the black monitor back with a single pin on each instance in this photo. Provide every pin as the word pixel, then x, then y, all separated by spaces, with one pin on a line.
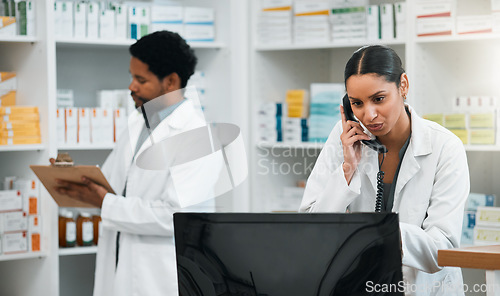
pixel 287 254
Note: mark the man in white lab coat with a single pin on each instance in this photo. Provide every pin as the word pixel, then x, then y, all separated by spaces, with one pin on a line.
pixel 136 251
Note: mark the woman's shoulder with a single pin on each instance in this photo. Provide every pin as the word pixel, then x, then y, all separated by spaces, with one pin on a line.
pixel 440 134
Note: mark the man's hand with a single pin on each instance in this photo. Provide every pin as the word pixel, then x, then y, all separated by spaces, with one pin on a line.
pixel 88 192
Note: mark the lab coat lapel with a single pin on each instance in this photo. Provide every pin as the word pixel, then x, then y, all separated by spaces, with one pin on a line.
pixel 168 127
pixel 420 145
pixel 369 165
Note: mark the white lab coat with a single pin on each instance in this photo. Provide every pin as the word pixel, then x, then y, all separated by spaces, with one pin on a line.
pixel 147 264
pixel 431 190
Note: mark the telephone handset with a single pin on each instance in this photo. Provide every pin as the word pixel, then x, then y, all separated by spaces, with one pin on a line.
pixel 375 145
pixel 349 115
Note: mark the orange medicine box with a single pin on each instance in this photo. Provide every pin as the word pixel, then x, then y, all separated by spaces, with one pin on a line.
pixel 21 141
pixel 8 80
pixel 19 125
pixel 7 98
pixel 18 110
pixel 20 117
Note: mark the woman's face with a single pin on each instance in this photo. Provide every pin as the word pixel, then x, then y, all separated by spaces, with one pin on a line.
pixel 377 103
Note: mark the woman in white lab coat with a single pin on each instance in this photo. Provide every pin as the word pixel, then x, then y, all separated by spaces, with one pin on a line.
pixel 426 174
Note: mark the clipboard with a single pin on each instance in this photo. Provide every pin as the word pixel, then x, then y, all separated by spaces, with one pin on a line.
pixel 49 174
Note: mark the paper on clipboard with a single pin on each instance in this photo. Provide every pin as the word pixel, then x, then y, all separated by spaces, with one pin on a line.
pixel 49 174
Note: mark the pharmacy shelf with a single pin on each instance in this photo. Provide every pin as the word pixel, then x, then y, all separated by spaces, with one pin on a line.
pixel 21 256
pixel 86 147
pixel 324 45
pixel 303 145
pixel 7 148
pixel 312 145
pixel 18 39
pixel 96 43
pixel 457 38
pixel 78 251
pixel 482 148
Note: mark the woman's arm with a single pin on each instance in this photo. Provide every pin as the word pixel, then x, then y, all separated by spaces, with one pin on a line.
pixel 441 229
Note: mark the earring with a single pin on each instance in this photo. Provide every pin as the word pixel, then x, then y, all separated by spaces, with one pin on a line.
pixel 404 97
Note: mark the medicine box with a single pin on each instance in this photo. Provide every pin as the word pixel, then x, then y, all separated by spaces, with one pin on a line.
pixel 455 121
pixel 30 191
pixel 434 26
pixel 476 200
pixel 7 26
pixel 437 118
pixel 10 200
pixel 469 223
pixel 482 136
pixel 168 18
pixel 474 24
pixel 80 20
pixel 8 81
pixel 61 126
pixel 121 14
pixel 15 242
pixel 484 235
pixel 14 221
pixel 7 98
pixel 83 126
pixel 488 216
pixel 34 224
pixel 71 126
pixel 92 20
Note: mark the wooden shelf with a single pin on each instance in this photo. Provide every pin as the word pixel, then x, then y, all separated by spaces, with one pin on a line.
pixel 479 257
pixel 329 45
pixel 7 148
pixel 72 42
pixel 29 255
pixel 77 251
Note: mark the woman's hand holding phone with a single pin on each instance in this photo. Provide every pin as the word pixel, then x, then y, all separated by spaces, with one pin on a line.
pixel 352 133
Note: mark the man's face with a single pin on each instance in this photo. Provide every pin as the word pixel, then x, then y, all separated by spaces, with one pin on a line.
pixel 145 85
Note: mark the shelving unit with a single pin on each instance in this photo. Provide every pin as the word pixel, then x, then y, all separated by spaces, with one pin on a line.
pixel 321 45
pixel 17 39
pixel 77 251
pixel 21 256
pixel 45 63
pixel 6 148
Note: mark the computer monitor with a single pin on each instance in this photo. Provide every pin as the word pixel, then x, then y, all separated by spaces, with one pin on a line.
pixel 276 254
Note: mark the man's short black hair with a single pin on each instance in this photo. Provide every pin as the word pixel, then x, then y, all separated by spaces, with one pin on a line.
pixel 165 53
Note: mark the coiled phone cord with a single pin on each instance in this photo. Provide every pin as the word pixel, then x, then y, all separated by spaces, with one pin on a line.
pixel 380 187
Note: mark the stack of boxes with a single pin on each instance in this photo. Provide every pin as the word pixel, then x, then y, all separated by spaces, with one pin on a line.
pixel 199 24
pixel 269 122
pixel 474 201
pixel 17 17
pixel 167 18
pixel 93 19
pixel 85 126
pixel 322 21
pixel 297 101
pixel 20 220
pixel 349 21
pixel 434 17
pixel 274 22
pixel 311 23
pixel 473 119
pixel 19 125
pixel 487 230
pixel 325 109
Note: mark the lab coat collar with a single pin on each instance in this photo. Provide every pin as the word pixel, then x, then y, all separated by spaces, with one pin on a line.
pixel 178 120
pixel 420 144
